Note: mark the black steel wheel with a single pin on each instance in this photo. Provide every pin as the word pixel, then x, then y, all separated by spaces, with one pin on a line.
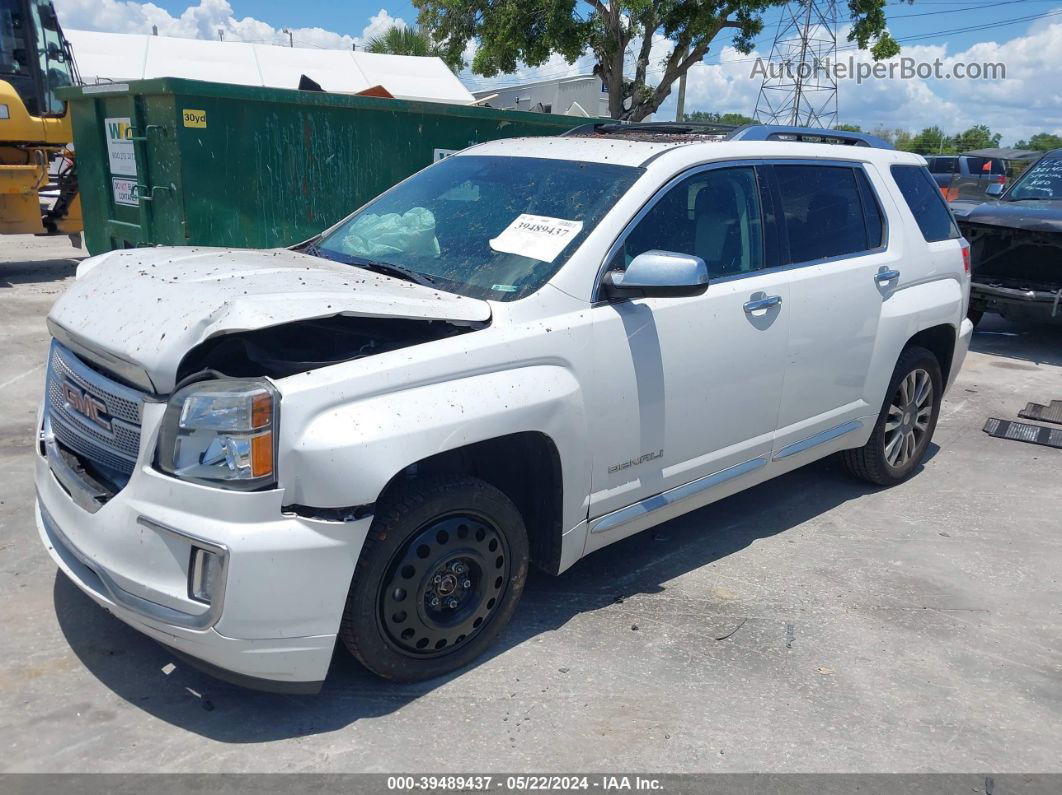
pixel 438 578
pixel 444 585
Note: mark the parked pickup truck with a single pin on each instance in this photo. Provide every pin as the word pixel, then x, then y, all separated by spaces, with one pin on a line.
pixel 523 353
pixel 965 177
pixel 1016 245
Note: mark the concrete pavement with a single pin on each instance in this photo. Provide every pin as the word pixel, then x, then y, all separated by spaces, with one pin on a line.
pixel 811 624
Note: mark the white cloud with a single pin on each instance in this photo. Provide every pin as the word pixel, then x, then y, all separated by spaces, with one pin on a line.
pixel 204 20
pixel 1029 100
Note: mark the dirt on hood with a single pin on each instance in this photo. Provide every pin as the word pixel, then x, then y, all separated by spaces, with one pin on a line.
pixel 138 312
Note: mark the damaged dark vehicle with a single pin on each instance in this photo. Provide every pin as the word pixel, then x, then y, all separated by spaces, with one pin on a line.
pixel 1016 245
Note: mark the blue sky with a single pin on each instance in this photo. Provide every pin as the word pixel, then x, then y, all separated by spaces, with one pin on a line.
pixel 921 18
pixel 1025 35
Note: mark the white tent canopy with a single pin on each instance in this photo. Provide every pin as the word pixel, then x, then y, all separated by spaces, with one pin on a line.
pixel 115 57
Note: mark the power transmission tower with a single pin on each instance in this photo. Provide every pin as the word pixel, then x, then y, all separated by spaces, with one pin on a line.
pixel 797 87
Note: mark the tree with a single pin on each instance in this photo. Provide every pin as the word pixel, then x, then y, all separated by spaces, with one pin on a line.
pixel 1041 142
pixel 737 119
pixel 933 141
pixel 511 32
pixel 402 40
pixel 848 127
pixel 977 137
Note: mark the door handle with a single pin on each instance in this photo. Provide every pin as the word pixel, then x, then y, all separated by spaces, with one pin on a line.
pixel 883 276
pixel 762 303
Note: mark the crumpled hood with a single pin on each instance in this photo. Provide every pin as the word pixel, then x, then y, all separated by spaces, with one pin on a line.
pixel 139 311
pixel 1033 216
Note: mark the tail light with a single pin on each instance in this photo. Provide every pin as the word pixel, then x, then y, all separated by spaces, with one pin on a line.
pixel 1002 179
pixel 966 257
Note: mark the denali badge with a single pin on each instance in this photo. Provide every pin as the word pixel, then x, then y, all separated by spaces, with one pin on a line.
pixel 86 405
pixel 636 461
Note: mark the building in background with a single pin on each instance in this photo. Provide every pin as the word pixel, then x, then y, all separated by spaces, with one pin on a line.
pixel 582 95
pixel 117 57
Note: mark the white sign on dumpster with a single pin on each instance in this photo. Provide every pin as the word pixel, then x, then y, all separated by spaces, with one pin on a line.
pixel 125 191
pixel 120 153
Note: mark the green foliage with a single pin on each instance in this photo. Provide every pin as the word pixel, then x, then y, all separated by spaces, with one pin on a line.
pixel 1041 142
pixel 514 32
pixel 848 127
pixel 933 141
pixel 402 40
pixel 977 137
pixel 737 119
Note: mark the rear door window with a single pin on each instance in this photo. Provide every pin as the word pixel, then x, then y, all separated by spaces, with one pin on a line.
pixel 875 218
pixel 927 205
pixel 984 166
pixel 823 211
pixel 943 165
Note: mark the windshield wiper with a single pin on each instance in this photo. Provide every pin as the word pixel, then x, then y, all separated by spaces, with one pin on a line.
pixel 388 269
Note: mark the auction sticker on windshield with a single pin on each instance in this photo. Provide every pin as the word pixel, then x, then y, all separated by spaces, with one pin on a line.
pixel 537 236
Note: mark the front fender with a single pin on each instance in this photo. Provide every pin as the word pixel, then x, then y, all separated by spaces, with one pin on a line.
pixel 346 453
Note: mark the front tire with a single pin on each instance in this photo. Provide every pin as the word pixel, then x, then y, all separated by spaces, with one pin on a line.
pixel 905 425
pixel 439 577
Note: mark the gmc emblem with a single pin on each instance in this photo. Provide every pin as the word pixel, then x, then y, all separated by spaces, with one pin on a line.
pixel 86 405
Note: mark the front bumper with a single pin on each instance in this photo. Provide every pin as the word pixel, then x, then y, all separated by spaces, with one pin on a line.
pixel 273 620
pixel 1018 304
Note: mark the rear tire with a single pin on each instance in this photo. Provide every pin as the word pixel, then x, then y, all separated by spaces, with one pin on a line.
pixel 905 424
pixel 439 577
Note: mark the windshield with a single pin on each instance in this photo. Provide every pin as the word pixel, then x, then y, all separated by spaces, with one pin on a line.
pixel 1043 180
pixel 485 227
pixel 31 45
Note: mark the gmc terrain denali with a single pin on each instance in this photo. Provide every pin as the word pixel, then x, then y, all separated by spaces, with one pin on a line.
pixel 525 352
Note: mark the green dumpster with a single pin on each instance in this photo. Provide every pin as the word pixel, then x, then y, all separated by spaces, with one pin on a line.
pixel 168 161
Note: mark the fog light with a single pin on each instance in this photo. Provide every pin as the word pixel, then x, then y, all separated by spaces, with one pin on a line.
pixel 203 575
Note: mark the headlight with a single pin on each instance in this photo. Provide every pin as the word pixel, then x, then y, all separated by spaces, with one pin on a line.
pixel 221 432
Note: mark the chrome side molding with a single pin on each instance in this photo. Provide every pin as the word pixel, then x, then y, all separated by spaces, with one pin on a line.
pixel 610 521
pixel 819 438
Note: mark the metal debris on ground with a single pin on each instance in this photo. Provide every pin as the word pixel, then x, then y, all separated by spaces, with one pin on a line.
pixel 735 629
pixel 1034 411
pixel 1023 432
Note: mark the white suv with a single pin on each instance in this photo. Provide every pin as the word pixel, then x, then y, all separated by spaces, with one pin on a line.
pixel 521 354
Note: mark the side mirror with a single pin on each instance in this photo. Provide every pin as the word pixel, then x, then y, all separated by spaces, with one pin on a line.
pixel 659 273
pixel 995 189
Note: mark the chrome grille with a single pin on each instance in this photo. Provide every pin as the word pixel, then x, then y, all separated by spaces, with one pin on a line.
pixel 113 441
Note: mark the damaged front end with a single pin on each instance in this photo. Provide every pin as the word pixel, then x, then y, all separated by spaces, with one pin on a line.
pixel 301 346
pixel 1017 272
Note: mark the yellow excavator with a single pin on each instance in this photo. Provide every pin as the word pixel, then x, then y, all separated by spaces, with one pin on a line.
pixel 36 156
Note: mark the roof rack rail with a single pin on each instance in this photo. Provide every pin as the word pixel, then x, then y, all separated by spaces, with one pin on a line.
pixel 783 132
pixel 651 128
pixel 748 132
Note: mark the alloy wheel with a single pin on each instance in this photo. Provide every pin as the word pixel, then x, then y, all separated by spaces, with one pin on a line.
pixel 908 418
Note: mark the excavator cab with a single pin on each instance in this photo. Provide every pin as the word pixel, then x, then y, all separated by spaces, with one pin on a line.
pixel 35 128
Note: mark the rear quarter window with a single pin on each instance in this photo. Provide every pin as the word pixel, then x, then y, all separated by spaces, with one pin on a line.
pixel 922 195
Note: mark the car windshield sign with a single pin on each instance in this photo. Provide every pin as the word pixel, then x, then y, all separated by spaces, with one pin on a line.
pixel 486 227
pixel 1043 180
